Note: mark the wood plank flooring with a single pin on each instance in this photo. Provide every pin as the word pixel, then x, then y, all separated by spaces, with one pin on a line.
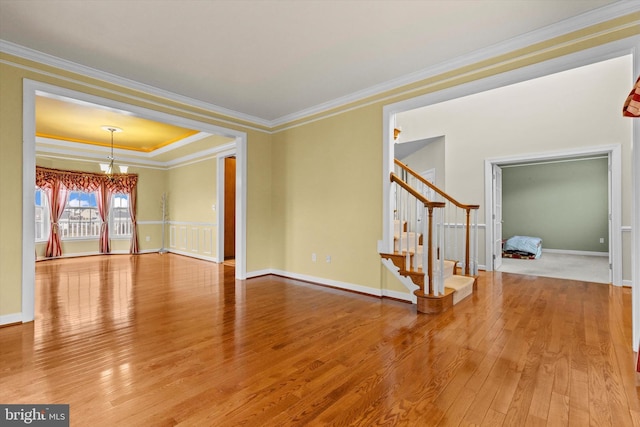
pixel 164 340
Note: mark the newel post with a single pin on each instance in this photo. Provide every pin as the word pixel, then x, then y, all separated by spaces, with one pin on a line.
pixel 468 239
pixel 430 252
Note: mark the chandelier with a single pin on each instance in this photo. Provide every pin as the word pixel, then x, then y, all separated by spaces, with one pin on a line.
pixel 108 168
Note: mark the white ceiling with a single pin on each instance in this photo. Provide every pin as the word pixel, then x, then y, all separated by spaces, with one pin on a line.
pixel 270 60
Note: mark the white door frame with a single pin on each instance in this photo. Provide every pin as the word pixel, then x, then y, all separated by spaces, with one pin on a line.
pixel 30 87
pixel 614 152
pixel 220 209
pixel 495 217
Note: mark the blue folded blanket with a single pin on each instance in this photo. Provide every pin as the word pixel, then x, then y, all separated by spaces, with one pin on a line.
pixel 532 245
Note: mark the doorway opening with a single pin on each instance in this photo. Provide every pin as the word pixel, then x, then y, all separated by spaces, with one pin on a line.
pixel 607 266
pixel 229 231
pixel 30 91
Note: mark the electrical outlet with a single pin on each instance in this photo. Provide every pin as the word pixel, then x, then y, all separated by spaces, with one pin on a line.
pixel 602 240
pixel 148 238
pixel 313 257
pixel 328 258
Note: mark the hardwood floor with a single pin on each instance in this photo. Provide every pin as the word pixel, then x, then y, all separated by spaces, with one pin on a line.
pixel 160 340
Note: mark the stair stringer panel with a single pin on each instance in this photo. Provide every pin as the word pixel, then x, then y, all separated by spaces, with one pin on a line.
pixel 406 281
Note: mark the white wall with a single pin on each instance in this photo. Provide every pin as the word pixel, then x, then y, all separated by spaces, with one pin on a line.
pixel 569 110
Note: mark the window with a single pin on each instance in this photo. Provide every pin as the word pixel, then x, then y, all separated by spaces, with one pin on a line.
pixel 120 220
pixel 80 217
pixel 42 216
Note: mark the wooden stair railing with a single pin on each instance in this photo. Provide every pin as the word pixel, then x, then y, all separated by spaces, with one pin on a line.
pixel 467 208
pixel 426 288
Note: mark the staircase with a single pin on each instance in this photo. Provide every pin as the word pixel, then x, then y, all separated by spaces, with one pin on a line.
pixel 436 253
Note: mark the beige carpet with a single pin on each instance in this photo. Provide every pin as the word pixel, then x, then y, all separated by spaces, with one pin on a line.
pixel 575 267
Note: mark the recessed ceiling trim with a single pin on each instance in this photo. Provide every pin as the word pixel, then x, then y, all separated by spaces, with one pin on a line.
pixel 47 137
pixel 182 143
pixel 75 155
pixel 61 150
pixel 65 155
pixel 93 147
pixel 169 143
pixel 198 156
pixel 142 112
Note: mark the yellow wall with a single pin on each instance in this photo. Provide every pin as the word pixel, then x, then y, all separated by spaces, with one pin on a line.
pixel 327 197
pixel 191 194
pixel 10 195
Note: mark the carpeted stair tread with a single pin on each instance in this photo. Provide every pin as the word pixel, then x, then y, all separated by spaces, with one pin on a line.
pixel 462 285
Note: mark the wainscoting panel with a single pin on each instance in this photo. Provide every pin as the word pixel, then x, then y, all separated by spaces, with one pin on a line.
pixel 192 239
pixel 195 247
pixel 207 241
pixel 182 237
pixel 172 236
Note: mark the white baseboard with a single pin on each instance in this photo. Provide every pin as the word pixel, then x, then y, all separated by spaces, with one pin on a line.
pixel 259 273
pixel 192 255
pixel 399 296
pixel 627 283
pixel 149 251
pixel 568 252
pixel 8 319
pixel 126 252
pixel 333 283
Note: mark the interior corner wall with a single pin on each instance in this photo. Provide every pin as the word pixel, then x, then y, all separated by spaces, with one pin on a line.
pixel 191 196
pixel 564 203
pixel 326 198
pixel 260 232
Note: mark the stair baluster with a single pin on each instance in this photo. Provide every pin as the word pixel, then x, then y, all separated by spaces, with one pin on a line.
pixel 424 211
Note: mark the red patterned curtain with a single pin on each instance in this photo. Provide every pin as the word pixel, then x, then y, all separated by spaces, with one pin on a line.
pixel 631 107
pixel 57 184
pixel 127 184
pixel 57 195
pixel 104 202
pixel 133 196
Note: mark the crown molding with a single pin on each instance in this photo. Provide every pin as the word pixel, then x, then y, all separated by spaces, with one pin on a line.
pixel 61 151
pixel 73 67
pixel 178 144
pixel 124 152
pixel 69 150
pixel 190 158
pixel 596 16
